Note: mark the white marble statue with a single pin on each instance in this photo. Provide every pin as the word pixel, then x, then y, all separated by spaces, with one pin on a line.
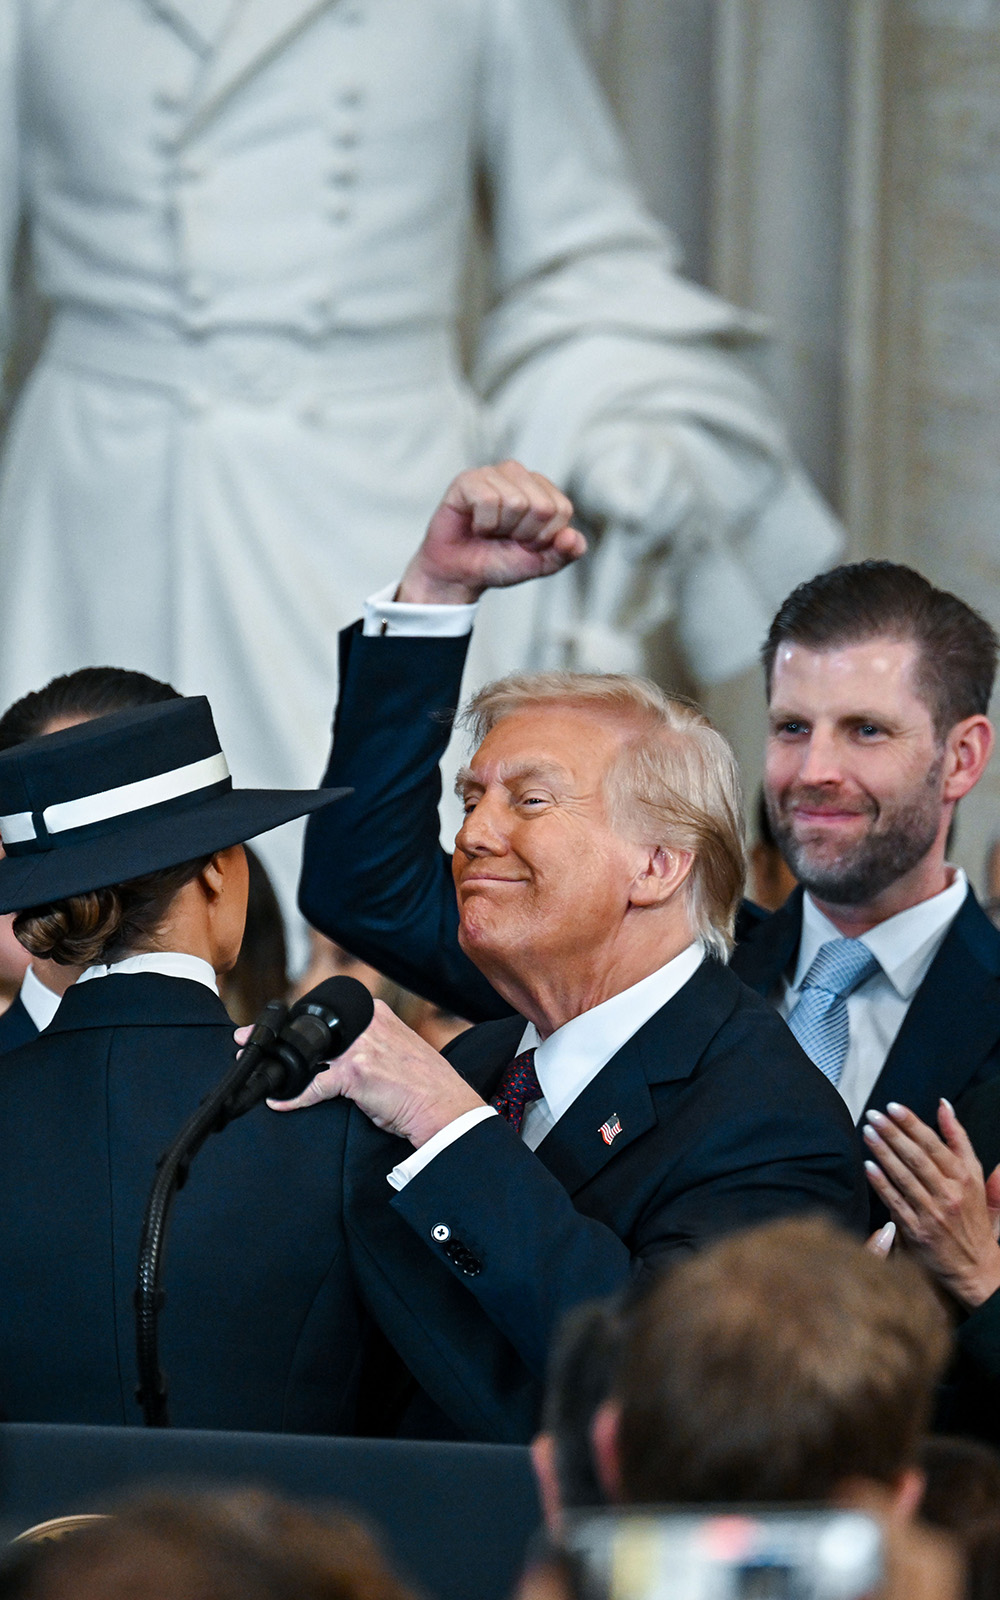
pixel 250 218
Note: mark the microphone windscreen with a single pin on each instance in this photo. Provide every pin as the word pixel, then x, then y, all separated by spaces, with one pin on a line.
pixel 341 1001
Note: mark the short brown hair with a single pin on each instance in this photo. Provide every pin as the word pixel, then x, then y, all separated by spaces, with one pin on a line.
pixel 674 781
pixel 776 1364
pixel 243 1545
pixel 957 648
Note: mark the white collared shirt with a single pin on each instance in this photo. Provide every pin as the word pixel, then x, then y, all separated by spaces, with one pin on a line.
pixel 168 963
pixel 38 1000
pixel 904 945
pixel 570 1058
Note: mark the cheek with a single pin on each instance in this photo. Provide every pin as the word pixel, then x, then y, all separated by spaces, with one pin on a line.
pixel 781 762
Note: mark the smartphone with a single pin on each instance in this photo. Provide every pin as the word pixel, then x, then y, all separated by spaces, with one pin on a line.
pixel 723 1554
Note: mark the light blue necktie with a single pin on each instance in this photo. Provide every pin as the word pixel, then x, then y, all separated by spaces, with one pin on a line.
pixel 819 1018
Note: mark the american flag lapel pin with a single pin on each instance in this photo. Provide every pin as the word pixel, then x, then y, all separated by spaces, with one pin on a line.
pixel 611 1129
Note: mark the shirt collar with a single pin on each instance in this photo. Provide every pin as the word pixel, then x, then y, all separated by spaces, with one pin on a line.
pixel 38 1000
pixel 168 963
pixel 904 945
pixel 570 1057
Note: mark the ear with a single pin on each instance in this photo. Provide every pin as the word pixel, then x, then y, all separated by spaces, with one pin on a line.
pixel 967 750
pixel 604 1447
pixel 212 876
pixel 543 1460
pixel 662 872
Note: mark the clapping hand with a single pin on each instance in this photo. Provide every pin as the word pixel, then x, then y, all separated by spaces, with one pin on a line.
pixel 936 1193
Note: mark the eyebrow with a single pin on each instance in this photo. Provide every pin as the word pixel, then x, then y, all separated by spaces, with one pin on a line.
pixel 544 771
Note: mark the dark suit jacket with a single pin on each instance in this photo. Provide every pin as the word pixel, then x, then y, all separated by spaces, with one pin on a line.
pixel 950 1038
pixel 470 1268
pixel 260 1327
pixel 16 1026
pixel 375 878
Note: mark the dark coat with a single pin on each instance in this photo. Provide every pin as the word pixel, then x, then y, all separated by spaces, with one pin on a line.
pixel 260 1327
pixel 950 1038
pixel 16 1026
pixel 470 1268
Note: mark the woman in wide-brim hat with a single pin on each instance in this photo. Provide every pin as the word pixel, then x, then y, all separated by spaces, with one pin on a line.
pixel 123 851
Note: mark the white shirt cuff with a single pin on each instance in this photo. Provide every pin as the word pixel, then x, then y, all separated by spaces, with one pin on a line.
pixel 384 615
pixel 400 1176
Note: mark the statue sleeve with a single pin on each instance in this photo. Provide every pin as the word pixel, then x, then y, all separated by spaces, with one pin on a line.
pixel 607 370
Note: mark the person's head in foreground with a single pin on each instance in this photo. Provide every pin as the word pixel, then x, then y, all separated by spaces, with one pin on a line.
pixel 602 833
pixel 124 835
pixel 785 1363
pixel 578 1379
pixel 237 1546
pixel 878 686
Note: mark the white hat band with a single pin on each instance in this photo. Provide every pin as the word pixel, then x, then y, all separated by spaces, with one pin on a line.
pixel 19 827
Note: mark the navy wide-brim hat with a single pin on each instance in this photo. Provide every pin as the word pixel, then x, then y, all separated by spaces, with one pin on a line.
pixel 114 798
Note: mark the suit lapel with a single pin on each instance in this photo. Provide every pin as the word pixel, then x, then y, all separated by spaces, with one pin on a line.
pixel 953 1021
pixel 770 947
pixel 616 1107
pixel 257 31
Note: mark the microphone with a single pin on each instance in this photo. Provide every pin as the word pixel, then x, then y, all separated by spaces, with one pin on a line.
pixel 318 1027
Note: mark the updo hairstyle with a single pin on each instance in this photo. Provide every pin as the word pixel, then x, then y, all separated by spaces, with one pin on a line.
pixel 104 925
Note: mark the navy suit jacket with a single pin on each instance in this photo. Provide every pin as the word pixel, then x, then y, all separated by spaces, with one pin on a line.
pixel 16 1026
pixel 470 1268
pixel 260 1328
pixel 375 878
pixel 950 1038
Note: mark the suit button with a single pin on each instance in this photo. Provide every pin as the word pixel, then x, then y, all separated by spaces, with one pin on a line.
pixel 440 1232
pixel 463 1258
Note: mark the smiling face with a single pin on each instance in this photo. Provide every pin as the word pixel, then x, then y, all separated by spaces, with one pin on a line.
pixel 854 777
pixel 541 876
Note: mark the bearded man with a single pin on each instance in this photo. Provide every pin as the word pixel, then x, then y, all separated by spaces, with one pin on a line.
pixel 884 965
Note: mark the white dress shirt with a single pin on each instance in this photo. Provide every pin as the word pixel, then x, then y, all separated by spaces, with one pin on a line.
pixel 569 1058
pixel 38 1000
pixel 904 945
pixel 385 616
pixel 168 963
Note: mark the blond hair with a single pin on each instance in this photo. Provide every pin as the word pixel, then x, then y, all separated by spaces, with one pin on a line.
pixel 673 784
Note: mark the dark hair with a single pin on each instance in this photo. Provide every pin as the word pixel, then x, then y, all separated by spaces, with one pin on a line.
pixel 580 1375
pixel 963 1484
pixel 104 924
pixel 90 692
pixel 957 648
pixel 246 1545
pixel 261 970
pixel 773 1366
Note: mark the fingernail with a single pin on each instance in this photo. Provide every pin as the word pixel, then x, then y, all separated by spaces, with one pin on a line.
pixel 895 1109
pixel 871 1134
pixel 886 1235
pixel 876 1117
pixel 948 1103
pixel 874 1168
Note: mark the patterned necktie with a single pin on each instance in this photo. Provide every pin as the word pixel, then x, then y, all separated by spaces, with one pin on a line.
pixel 517 1086
pixel 819 1018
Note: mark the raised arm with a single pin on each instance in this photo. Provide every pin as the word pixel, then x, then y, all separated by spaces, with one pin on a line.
pixel 378 882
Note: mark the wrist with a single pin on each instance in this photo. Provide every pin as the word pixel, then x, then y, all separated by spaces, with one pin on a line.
pixel 421 587
pixel 978 1286
pixel 433 1119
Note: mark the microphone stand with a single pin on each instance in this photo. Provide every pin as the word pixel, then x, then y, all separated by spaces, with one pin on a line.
pixel 222 1106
